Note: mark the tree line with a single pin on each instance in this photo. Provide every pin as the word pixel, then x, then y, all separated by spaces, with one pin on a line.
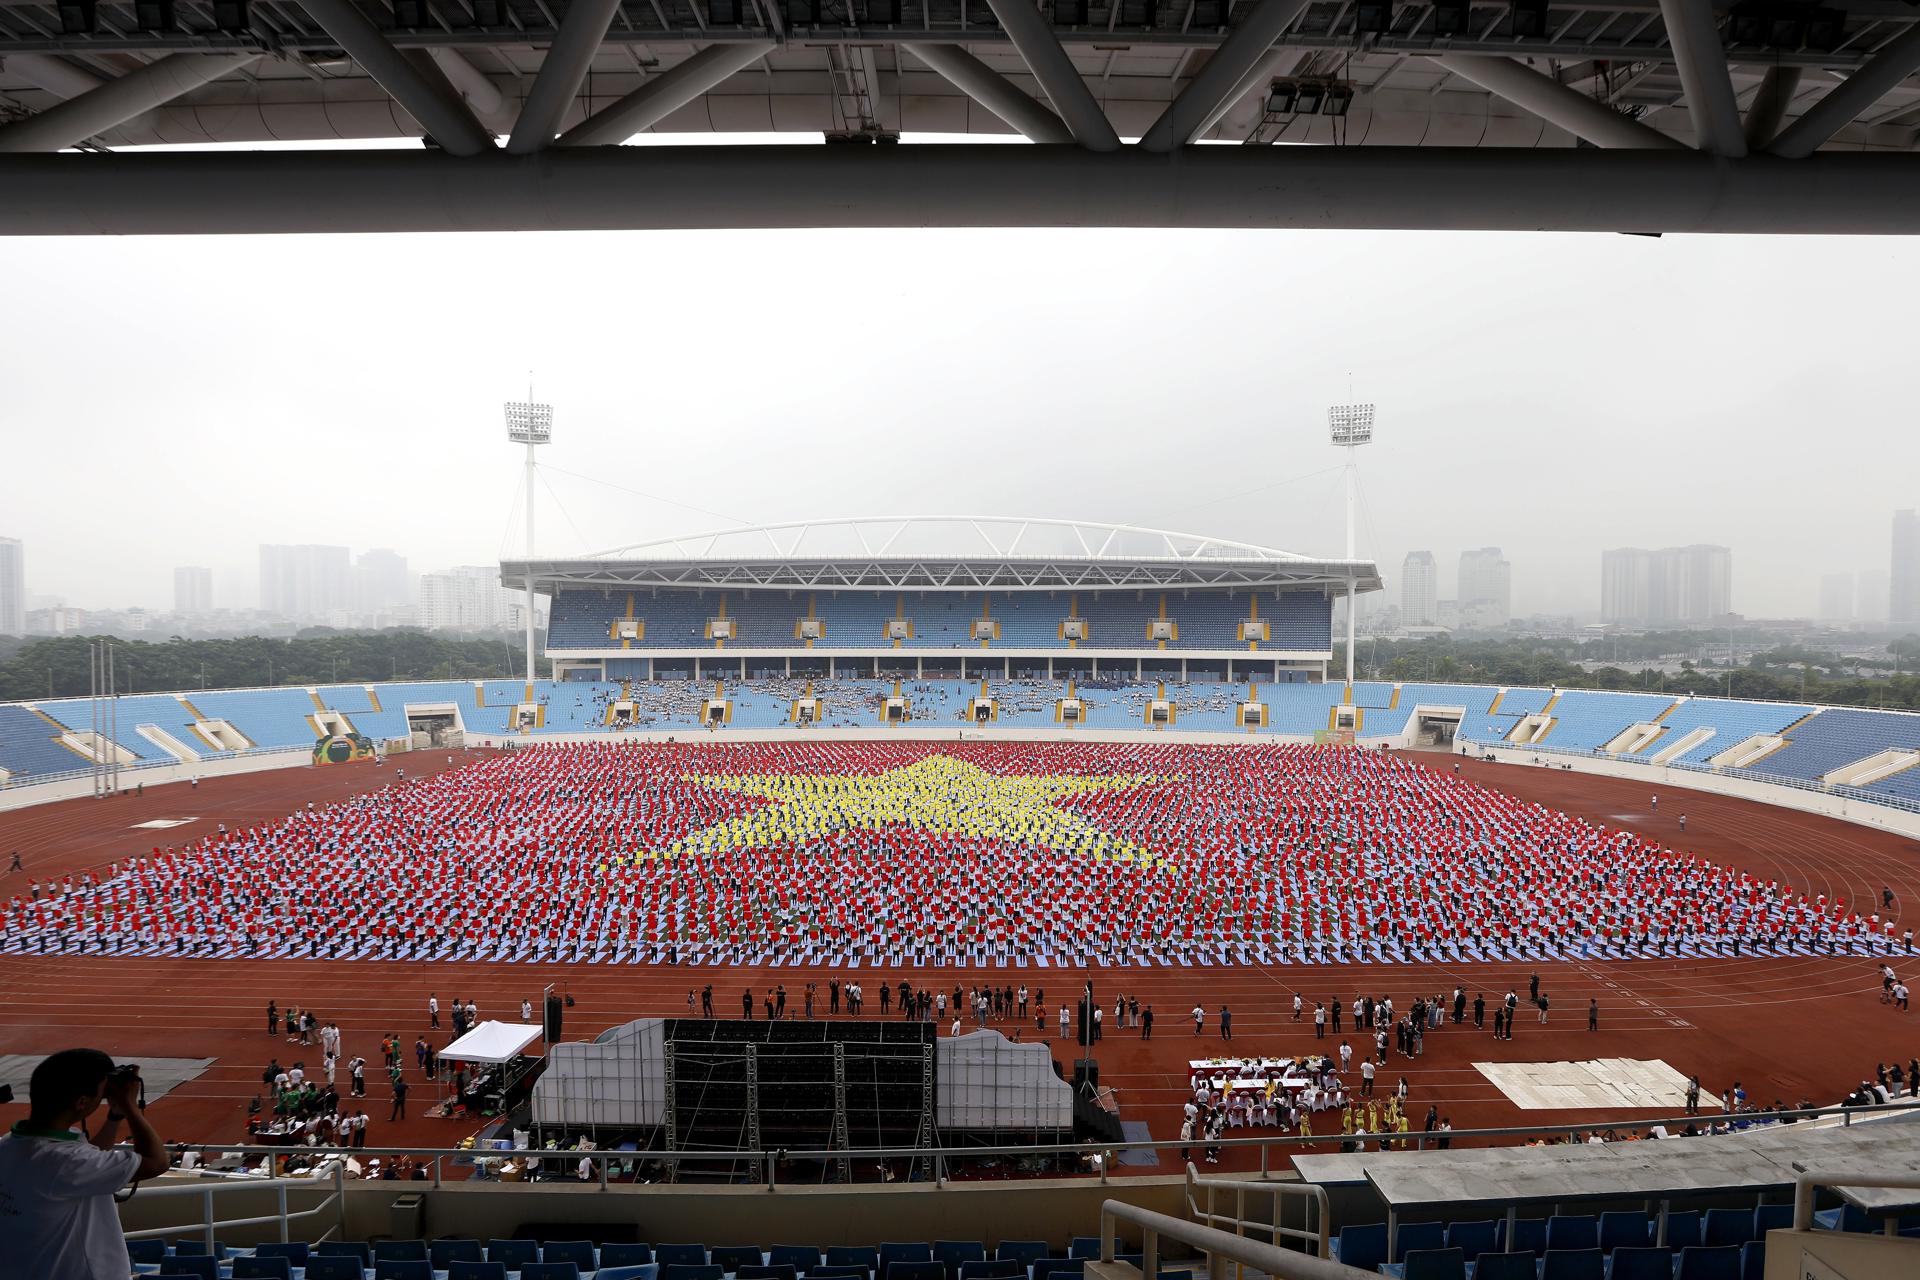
pixel 57 667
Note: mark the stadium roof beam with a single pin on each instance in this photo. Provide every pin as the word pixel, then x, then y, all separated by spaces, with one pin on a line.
pixel 1216 86
pixel 994 92
pixel 482 95
pixel 1769 105
pixel 1278 62
pixel 57 76
pixel 1555 103
pixel 422 91
pixel 1694 32
pixel 1887 68
pixel 118 101
pixel 561 74
pixel 1058 77
pixel 1384 188
pixel 665 94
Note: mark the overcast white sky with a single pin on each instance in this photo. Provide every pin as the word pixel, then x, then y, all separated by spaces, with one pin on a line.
pixel 179 401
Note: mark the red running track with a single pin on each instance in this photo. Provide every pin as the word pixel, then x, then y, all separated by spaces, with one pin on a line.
pixel 1787 1028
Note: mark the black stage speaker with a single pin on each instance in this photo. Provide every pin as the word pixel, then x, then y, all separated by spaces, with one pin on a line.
pixel 552 1025
pixel 1086 1071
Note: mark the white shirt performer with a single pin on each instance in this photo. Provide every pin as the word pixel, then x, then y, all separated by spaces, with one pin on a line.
pixel 57 1216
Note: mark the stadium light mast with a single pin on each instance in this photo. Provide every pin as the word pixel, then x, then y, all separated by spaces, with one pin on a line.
pixel 1350 426
pixel 532 425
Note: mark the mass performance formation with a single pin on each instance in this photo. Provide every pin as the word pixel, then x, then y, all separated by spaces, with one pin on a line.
pixel 1044 853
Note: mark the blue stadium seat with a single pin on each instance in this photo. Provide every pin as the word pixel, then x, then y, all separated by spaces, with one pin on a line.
pixel 515 1253
pixel 1025 1252
pixel 578 1252
pixel 680 1255
pixel 893 1252
pixel 1423 1236
pixel 259 1268
pixel 1059 1267
pixel 345 1249
pixel 1364 1247
pixel 765 1271
pixel 803 1257
pixel 146 1251
pixel 400 1250
pixel 402 1269
pixel 732 1257
pixel 568 1270
pixel 294 1251
pixel 1428 1264
pixel 1529 1236
pixel 198 1249
pixel 1084 1247
pixel 638 1271
pixel 854 1255
pixel 1624 1228
pixel 840 1273
pixel 691 1271
pixel 467 1269
pixel 1753 1260
pixel 998 1269
pixel 625 1254
pixel 1472 1238
pixel 1683 1230
pixel 444 1253
pixel 1702 1263
pixel 1573 1264
pixel 334 1266
pixel 203 1265
pixel 1570 1232
pixel 957 1253
pixel 1504 1266
pixel 1727 1227
pixel 924 1270
pixel 1644 1262
pixel 1771 1217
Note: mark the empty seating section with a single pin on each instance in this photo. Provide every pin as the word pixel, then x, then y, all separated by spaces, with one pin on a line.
pixel 1372 693
pixel 1494 725
pixel 29 745
pixel 268 717
pixel 1839 736
pixel 584 619
pixel 1732 723
pixel 161 709
pixel 1301 709
pixel 391 720
pixel 1584 720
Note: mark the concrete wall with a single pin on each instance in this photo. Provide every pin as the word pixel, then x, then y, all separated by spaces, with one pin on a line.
pixel 1662 778
pixel 1834 1255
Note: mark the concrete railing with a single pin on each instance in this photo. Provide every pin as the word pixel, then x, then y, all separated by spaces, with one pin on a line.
pixel 1218 1246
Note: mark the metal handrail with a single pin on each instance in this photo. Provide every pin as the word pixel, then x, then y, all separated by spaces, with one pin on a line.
pixel 210 1224
pixel 25 780
pixel 769 1159
pixel 1311 1196
pixel 1807 1183
pixel 1271 1259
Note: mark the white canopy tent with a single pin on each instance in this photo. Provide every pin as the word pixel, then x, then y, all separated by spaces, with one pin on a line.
pixel 493 1042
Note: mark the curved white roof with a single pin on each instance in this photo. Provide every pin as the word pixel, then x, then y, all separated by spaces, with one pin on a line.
pixel 944 553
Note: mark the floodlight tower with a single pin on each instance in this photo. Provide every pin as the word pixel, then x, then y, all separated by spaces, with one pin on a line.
pixel 532 425
pixel 1350 426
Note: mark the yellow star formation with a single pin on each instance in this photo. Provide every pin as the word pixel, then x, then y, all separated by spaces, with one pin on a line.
pixel 937 794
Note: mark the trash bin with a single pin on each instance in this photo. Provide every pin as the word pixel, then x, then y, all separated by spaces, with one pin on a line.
pixel 410 1217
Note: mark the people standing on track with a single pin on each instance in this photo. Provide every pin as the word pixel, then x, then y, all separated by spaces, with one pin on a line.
pixel 273 1018
pixel 1199 1019
pixel 16 865
pixel 1319 1020
pixel 1542 1002
pixel 399 1100
pixel 1146 1023
pixel 1593 1014
pixel 526 1007
pixel 1683 822
pixel 433 1011
pixel 1226 1023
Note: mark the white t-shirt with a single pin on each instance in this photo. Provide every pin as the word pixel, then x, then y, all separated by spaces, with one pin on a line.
pixel 57 1217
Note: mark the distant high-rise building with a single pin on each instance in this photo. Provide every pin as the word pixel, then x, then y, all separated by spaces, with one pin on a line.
pixel 469 598
pixel 1626 584
pixel 192 590
pixel 380 583
pixel 1836 597
pixel 1486 590
pixel 1419 589
pixel 1870 599
pixel 1672 585
pixel 13 587
pixel 1903 585
pixel 305 583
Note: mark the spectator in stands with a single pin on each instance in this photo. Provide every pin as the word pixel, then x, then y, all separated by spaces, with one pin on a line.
pixel 57 1214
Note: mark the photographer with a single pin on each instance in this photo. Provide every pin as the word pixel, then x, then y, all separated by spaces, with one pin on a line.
pixel 57 1214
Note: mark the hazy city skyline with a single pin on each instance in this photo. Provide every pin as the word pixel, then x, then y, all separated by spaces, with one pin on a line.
pixel 699 382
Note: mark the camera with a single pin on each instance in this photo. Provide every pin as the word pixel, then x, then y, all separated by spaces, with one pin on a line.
pixel 127 1071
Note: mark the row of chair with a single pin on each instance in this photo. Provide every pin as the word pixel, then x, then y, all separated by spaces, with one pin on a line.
pixel 1629 1262
pixel 1367 1246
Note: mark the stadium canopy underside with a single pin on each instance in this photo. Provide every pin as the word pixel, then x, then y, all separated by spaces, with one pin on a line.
pixel 1618 115
pixel 943 553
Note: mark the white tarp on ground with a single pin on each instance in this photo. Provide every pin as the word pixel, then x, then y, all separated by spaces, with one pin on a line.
pixel 618 1081
pixel 493 1042
pixel 987 1081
